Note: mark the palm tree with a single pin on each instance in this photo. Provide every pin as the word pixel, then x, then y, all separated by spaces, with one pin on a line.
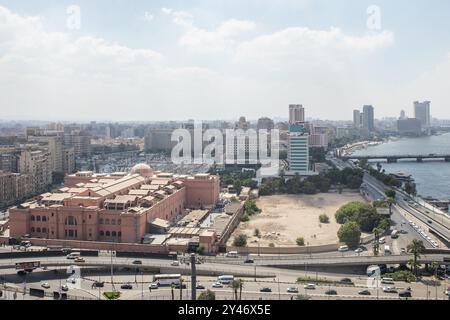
pixel 235 287
pixel 172 287
pixel 181 289
pixel 241 286
pixel 416 247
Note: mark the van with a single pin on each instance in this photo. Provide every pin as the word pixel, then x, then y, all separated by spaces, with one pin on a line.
pixel 343 249
pixel 387 281
pixel 73 255
pixel 232 254
pixel 225 279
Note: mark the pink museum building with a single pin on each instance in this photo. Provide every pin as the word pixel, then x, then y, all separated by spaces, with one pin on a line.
pixel 115 208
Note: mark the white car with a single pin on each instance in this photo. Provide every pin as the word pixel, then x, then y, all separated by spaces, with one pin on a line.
pixel 175 264
pixel 310 286
pixel 292 290
pixel 153 286
pixel 359 250
pixel 382 240
pixel 403 251
pixel 389 290
pixel 72 280
pixel 217 285
pixel 45 285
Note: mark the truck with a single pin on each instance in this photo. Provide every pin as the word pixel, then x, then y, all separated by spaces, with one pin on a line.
pixel 387 251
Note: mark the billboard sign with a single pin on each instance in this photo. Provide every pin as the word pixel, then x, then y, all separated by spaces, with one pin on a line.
pixel 28 265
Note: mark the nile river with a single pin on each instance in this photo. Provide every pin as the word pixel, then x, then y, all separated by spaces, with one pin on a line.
pixel 432 177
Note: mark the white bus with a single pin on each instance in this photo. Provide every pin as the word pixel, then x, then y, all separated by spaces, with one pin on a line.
pixel 225 279
pixel 387 251
pixel 167 279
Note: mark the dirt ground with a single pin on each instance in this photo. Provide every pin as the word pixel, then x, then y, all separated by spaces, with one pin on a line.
pixel 284 218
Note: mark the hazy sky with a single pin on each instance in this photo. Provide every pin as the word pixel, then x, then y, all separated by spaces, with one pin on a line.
pixel 219 59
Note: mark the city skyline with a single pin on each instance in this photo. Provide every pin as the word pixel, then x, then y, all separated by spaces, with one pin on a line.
pixel 172 60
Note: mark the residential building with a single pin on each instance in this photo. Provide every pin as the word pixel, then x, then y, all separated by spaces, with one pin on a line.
pixel 357 118
pixel 368 118
pixel 409 126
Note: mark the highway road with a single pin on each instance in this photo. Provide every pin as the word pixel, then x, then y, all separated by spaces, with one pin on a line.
pixel 82 289
pixel 440 224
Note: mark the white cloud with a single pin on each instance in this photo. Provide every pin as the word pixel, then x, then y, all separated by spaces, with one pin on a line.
pixel 54 75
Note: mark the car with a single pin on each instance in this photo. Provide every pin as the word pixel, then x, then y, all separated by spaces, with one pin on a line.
pixel 364 293
pixel 405 294
pixel 98 284
pixel 403 250
pixel 79 260
pixel 180 286
pixel 346 280
pixel 126 286
pixel 175 264
pixel 331 292
pixel 45 285
pixel 153 286
pixel 200 286
pixel 137 262
pixel 22 273
pixel 249 261
pixel 402 231
pixel 410 222
pixel 266 289
pixel 217 285
pixel 359 250
pixel 447 292
pixel 343 249
pixel 382 240
pixel 292 290
pixel 64 288
pixel 389 290
pixel 72 280
pixel 309 286
pixel 430 222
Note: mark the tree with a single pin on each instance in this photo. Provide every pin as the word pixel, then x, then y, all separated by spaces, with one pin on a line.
pixel 257 233
pixel 207 295
pixel 350 234
pixel 240 241
pixel 410 188
pixel 309 188
pixel 323 218
pixel 416 247
pixel 390 193
pixel 300 241
pixel 237 285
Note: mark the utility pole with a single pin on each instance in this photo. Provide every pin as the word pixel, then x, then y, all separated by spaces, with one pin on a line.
pixel 193 278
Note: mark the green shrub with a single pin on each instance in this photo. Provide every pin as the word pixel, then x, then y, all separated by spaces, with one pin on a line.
pixel 300 241
pixel 324 218
pixel 240 241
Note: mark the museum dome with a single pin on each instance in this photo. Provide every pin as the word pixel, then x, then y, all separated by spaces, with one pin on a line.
pixel 142 169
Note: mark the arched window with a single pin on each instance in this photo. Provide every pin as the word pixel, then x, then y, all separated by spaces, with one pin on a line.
pixel 38 218
pixel 102 233
pixel 38 230
pixel 32 218
pixel 119 222
pixel 32 229
pixel 108 234
pixel 113 222
pixel 106 221
pixel 114 234
pixel 44 218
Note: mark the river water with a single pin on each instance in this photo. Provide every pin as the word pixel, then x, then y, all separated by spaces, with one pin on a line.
pixel 432 177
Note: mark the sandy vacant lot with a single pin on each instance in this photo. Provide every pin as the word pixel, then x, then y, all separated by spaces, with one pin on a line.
pixel 284 218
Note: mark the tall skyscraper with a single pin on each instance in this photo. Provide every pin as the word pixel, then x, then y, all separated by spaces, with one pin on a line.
pixel 298 154
pixel 357 118
pixel 296 114
pixel 402 115
pixel 422 112
pixel 368 118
